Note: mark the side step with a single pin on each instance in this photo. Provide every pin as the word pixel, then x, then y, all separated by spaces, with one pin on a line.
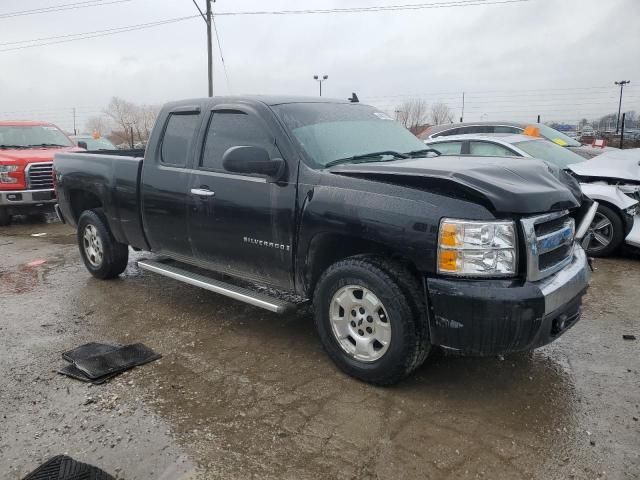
pixel 228 290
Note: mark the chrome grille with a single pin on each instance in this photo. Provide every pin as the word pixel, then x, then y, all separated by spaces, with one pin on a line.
pixel 40 176
pixel 549 241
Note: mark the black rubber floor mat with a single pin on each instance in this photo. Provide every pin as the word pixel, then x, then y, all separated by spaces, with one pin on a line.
pixel 88 350
pixel 73 372
pixel 117 360
pixel 62 467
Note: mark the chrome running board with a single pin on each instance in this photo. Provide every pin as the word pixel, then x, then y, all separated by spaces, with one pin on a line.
pixel 228 290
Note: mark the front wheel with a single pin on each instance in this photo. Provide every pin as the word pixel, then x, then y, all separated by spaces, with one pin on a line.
pixel 605 234
pixel 103 256
pixel 365 321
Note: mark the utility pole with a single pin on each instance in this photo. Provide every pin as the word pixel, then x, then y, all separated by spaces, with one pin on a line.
pixel 462 115
pixel 622 132
pixel 75 131
pixel 622 83
pixel 538 118
pixel 208 20
pixel 209 49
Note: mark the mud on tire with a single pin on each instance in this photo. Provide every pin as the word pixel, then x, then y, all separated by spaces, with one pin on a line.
pixel 103 256
pixel 388 282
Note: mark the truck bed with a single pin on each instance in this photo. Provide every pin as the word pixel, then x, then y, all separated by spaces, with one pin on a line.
pixel 113 178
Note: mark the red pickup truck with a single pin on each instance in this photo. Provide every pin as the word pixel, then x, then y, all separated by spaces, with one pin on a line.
pixel 26 162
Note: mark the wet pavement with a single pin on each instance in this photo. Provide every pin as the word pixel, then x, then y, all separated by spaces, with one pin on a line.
pixel 241 393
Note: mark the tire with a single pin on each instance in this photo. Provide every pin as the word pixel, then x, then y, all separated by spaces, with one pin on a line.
pixel 102 255
pixel 5 218
pixel 605 234
pixel 389 334
pixel 415 295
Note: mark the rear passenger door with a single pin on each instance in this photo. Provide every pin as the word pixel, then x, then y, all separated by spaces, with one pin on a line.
pixel 241 224
pixel 164 183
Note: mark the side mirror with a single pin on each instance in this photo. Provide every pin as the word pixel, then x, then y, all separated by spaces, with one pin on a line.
pixel 82 144
pixel 253 161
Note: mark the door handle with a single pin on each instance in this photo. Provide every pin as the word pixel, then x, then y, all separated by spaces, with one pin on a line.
pixel 202 192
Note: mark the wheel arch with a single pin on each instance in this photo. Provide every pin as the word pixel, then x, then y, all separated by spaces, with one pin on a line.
pixel 325 249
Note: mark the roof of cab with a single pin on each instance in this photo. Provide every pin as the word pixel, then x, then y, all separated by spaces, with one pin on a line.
pixel 270 100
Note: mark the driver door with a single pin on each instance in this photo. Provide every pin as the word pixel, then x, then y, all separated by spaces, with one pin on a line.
pixel 241 224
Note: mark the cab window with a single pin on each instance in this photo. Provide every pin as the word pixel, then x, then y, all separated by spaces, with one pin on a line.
pixel 178 137
pixel 232 128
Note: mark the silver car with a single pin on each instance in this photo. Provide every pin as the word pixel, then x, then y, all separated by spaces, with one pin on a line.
pixel 616 220
pixel 551 134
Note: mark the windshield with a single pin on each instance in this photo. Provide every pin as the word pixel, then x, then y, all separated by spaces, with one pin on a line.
pixel 557 137
pixel 32 136
pixel 328 131
pixel 550 152
pixel 96 143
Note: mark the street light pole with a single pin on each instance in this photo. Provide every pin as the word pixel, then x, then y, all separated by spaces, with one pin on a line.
pixel 320 80
pixel 622 84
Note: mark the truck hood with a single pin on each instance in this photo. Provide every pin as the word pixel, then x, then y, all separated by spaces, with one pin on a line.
pixel 31 155
pixel 522 186
pixel 615 165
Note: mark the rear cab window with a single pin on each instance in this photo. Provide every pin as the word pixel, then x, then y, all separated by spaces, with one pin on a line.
pixel 179 135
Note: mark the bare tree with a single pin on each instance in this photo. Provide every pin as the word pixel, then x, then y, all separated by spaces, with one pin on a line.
pixel 440 113
pixel 412 113
pixel 100 124
pixel 136 121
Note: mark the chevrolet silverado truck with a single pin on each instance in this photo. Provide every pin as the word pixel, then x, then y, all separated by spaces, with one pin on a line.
pixel 26 160
pixel 281 201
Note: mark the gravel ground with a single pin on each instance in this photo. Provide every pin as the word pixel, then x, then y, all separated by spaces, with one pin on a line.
pixel 241 393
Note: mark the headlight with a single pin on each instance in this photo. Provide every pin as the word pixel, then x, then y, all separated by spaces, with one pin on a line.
pixel 4 173
pixel 477 248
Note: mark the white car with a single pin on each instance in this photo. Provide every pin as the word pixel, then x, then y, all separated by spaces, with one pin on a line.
pixel 615 185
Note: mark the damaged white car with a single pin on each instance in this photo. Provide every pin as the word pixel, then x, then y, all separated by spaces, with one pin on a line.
pixel 612 179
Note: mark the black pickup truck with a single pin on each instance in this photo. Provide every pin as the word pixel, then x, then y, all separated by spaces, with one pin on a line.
pixel 336 204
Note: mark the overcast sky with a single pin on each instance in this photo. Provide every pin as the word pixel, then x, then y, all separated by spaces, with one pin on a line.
pixel 557 58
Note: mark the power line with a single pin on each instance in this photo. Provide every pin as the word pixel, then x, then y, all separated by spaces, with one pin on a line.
pixel 224 65
pixel 93 34
pixel 387 8
pixel 61 7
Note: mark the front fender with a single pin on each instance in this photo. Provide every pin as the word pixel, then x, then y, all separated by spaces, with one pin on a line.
pixel 608 193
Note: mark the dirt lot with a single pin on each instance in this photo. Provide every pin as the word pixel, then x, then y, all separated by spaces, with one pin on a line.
pixel 242 393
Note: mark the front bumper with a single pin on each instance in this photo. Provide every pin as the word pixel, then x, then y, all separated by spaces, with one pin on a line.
pixel 27 202
pixel 17 198
pixel 489 317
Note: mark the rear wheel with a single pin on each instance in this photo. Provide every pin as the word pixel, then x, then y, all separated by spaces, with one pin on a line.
pixel 605 234
pixel 5 218
pixel 365 322
pixel 103 256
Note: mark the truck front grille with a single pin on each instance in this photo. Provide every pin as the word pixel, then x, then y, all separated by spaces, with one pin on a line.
pixel 549 242
pixel 40 176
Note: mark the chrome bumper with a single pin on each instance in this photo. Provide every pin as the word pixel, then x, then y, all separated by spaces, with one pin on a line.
pixel 27 197
pixel 565 285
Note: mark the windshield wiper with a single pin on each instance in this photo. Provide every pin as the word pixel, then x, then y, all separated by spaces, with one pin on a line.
pixel 422 152
pixel 13 146
pixel 46 145
pixel 365 156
